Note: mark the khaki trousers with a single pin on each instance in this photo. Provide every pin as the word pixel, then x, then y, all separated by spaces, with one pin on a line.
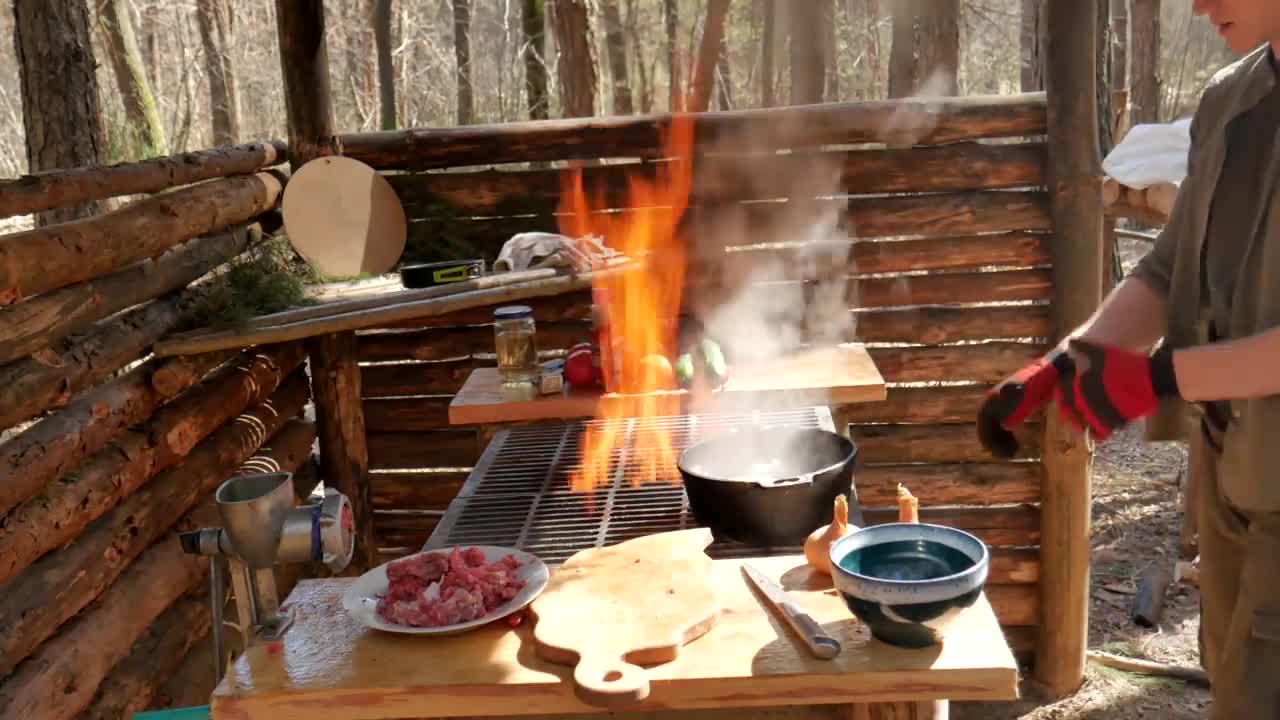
pixel 1239 593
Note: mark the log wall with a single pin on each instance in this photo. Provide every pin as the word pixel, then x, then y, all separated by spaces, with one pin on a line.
pixel 106 453
pixel 941 264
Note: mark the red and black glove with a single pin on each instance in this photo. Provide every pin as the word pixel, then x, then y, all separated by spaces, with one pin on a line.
pixel 1009 403
pixel 1110 387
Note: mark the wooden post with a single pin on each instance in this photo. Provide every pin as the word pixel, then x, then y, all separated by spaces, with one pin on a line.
pixel 304 62
pixel 344 454
pixel 1075 174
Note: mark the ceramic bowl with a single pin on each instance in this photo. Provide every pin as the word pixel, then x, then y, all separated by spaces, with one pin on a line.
pixel 908 581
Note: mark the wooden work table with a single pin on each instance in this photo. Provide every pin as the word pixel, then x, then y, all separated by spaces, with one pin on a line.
pixel 825 376
pixel 748 665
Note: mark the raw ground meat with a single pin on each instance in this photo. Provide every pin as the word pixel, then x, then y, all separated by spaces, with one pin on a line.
pixel 434 589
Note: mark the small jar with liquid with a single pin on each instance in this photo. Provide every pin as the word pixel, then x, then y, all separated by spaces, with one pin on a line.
pixel 515 342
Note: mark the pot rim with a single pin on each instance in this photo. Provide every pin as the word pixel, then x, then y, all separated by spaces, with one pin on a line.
pixel 875 589
pixel 781 482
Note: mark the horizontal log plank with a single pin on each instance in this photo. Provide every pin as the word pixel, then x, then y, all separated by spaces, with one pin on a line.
pixel 61 584
pixel 52 377
pixel 175 374
pixel 925 443
pixel 901 122
pixel 45 516
pixel 430 449
pixel 414 490
pixel 951 288
pixel 442 343
pixel 987 362
pixel 76 186
pixel 972 483
pixel 574 305
pixel 1013 525
pixel 944 214
pixel 61 678
pixel 406 414
pixel 33 324
pixel 919 404
pixel 47 258
pixel 1015 605
pixel 820 260
pixel 937 325
pixel 443 377
pixel 954 167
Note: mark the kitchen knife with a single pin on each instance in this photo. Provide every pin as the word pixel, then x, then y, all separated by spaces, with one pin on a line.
pixel 822 645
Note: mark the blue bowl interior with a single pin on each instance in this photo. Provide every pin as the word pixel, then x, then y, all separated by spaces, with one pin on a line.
pixel 907 560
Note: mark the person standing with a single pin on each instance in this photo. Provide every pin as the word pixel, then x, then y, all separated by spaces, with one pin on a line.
pixel 1196 324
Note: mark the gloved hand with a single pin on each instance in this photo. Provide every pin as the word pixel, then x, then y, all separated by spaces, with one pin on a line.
pixel 1009 403
pixel 1109 387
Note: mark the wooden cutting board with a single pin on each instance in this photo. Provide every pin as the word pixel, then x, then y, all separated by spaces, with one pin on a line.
pixel 653 595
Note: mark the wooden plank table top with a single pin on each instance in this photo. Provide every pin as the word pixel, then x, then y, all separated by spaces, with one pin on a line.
pixel 827 376
pixel 330 665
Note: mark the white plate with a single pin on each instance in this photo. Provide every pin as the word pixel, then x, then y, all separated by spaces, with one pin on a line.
pixel 361 599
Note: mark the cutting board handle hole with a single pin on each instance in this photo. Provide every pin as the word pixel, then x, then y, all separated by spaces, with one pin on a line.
pixel 612 676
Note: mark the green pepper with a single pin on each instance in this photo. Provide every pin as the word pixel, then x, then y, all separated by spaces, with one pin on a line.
pixel 684 370
pixel 714 368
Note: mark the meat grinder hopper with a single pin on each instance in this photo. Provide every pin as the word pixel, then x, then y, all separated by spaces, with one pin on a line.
pixel 261 528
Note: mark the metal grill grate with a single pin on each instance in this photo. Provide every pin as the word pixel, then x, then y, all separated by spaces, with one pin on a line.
pixel 519 494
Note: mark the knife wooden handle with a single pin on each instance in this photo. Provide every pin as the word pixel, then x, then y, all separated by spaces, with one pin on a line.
pixel 822 645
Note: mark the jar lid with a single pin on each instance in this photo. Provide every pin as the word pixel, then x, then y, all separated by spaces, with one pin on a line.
pixel 513 312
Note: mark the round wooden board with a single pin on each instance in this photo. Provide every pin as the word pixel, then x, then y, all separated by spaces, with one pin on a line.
pixel 343 217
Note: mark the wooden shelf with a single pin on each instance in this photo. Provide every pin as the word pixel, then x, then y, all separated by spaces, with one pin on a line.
pixel 828 376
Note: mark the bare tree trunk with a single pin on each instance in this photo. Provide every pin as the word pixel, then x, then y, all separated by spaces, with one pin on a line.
pixel 724 78
pixel 671 18
pixel 131 79
pixel 873 44
pixel 938 47
pixel 386 66
pixel 576 65
pixel 902 52
pixel 616 43
pixel 462 54
pixel 1102 68
pixel 150 31
pixel 535 70
pixel 60 110
pixel 1144 103
pixel 1031 41
pixel 304 62
pixel 830 51
pixel 708 54
pixel 1119 67
pixel 767 97
pixel 646 77
pixel 807 72
pixel 223 108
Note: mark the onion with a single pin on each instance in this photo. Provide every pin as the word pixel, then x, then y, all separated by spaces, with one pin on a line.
pixel 817 547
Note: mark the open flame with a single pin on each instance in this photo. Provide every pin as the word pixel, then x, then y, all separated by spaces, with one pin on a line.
pixel 639 307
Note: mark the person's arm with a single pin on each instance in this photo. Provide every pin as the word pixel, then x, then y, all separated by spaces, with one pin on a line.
pixel 1134 316
pixel 1240 369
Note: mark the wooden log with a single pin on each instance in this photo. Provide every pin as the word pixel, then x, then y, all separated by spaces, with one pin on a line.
pixel 955 167
pixel 970 483
pixel 288 451
pixel 1076 206
pixel 421 490
pixel 920 404
pixel 175 374
pixel 948 214
pixel 1148 603
pixel 419 378
pixel 1015 605
pixel 304 62
pixel 134 681
pixel 987 362
pixel 62 677
pixel 442 343
pixel 42 521
pixel 344 455
pixel 388 313
pixel 1011 525
pixel 47 258
pixel 415 523
pixel 908 710
pixel 33 324
pixel 937 325
pixel 1015 565
pixel 1196 676
pixel 401 414
pixel 892 444
pixel 75 186
pixel 59 585
pixel 1022 641
pixel 806 261
pixel 553 308
pixel 434 448
pixel 924 121
pixel 49 379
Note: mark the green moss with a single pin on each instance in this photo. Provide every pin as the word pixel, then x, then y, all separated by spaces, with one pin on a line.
pixel 265 279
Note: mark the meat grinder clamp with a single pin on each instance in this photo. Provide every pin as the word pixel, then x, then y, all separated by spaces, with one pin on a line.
pixel 261 528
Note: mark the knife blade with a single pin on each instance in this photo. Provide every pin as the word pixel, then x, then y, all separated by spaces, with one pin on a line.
pixel 822 645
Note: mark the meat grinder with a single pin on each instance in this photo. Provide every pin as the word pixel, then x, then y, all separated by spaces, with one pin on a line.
pixel 261 528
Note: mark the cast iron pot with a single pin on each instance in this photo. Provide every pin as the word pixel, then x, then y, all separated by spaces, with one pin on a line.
pixel 768 487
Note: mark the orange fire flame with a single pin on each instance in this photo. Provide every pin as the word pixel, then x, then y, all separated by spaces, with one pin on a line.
pixel 639 305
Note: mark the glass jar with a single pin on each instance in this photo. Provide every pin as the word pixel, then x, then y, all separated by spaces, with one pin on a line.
pixel 515 342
